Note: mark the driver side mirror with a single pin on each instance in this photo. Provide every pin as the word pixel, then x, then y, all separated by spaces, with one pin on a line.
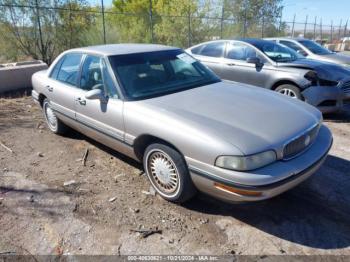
pixel 96 94
pixel 254 60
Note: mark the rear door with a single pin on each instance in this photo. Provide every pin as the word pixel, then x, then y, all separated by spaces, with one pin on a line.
pixel 100 119
pixel 236 67
pixel 211 54
pixel 61 87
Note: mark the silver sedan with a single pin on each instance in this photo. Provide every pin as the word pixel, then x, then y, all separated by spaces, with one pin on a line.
pixel 192 131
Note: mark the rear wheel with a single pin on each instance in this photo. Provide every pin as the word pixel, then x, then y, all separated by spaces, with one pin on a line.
pixel 54 124
pixel 167 171
pixel 289 90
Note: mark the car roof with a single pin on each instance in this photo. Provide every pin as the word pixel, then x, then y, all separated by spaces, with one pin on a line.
pixel 286 38
pixel 252 41
pixel 122 49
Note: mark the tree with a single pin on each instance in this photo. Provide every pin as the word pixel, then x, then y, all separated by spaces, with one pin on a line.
pixel 42 29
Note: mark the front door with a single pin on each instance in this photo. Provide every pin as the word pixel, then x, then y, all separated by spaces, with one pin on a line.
pixel 99 118
pixel 236 68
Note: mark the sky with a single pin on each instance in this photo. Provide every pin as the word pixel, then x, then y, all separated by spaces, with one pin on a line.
pixel 327 9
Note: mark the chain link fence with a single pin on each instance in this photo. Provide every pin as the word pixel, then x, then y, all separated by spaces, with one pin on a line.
pixel 36 29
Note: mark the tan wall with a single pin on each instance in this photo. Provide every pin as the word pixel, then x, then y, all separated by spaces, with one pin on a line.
pixel 17 76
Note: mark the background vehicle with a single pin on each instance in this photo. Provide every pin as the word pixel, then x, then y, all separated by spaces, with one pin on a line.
pixel 191 130
pixel 313 50
pixel 272 66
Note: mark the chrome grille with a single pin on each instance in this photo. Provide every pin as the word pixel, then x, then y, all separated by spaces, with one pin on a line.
pixel 300 143
pixel 346 87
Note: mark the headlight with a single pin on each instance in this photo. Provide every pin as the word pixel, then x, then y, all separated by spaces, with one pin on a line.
pixel 245 163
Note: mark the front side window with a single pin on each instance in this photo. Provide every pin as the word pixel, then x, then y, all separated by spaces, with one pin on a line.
pixel 213 49
pixel 69 70
pixel 277 53
pixel 239 51
pixel 152 74
pixel 95 75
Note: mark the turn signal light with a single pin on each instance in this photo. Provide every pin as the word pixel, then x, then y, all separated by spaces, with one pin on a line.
pixel 236 191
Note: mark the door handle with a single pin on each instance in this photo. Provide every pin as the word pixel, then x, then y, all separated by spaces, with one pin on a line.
pixel 81 101
pixel 49 88
pixel 231 64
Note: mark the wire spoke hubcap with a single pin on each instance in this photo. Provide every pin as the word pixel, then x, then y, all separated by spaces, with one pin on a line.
pixel 288 92
pixel 50 116
pixel 163 172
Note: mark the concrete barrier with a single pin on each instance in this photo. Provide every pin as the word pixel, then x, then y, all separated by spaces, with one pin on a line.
pixel 17 76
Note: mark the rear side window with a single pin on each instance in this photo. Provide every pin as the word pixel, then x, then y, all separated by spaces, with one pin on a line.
pixel 69 70
pixel 213 49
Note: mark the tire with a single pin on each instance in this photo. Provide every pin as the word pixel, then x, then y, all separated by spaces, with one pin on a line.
pixel 167 171
pixel 289 90
pixel 54 124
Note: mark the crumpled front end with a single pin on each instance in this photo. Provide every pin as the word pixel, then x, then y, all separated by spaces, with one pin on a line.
pixel 328 96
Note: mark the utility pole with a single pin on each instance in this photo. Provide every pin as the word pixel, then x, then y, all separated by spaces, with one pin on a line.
pixel 331 30
pixel 189 25
pixel 103 22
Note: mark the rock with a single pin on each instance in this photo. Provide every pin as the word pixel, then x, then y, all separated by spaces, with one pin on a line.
pixel 135 210
pixel 112 199
pixel 5 169
pixel 171 241
pixel 69 183
pixel 151 191
pixel 31 198
pixel 204 221
pixel 39 154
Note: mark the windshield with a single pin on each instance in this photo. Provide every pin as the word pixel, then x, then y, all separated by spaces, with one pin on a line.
pixel 315 47
pixel 151 74
pixel 277 52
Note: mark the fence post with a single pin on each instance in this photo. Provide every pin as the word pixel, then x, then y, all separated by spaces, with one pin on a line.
pixel 42 51
pixel 103 22
pixel 262 27
pixel 151 20
pixel 331 30
pixel 293 25
pixel 315 27
pixel 346 27
pixel 245 19
pixel 222 19
pixel 341 21
pixel 189 26
pixel 305 25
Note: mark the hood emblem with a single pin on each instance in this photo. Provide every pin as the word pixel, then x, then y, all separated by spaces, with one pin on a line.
pixel 307 140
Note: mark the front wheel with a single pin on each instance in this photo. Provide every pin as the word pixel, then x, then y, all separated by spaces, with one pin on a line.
pixel 167 171
pixel 289 90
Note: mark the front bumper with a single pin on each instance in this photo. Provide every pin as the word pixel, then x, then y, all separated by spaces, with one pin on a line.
pixel 327 99
pixel 35 96
pixel 268 181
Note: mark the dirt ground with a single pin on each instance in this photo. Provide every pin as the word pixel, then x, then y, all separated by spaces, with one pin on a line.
pixel 50 203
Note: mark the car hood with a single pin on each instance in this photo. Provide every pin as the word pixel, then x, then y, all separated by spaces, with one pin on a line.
pixel 250 118
pixel 325 70
pixel 337 58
